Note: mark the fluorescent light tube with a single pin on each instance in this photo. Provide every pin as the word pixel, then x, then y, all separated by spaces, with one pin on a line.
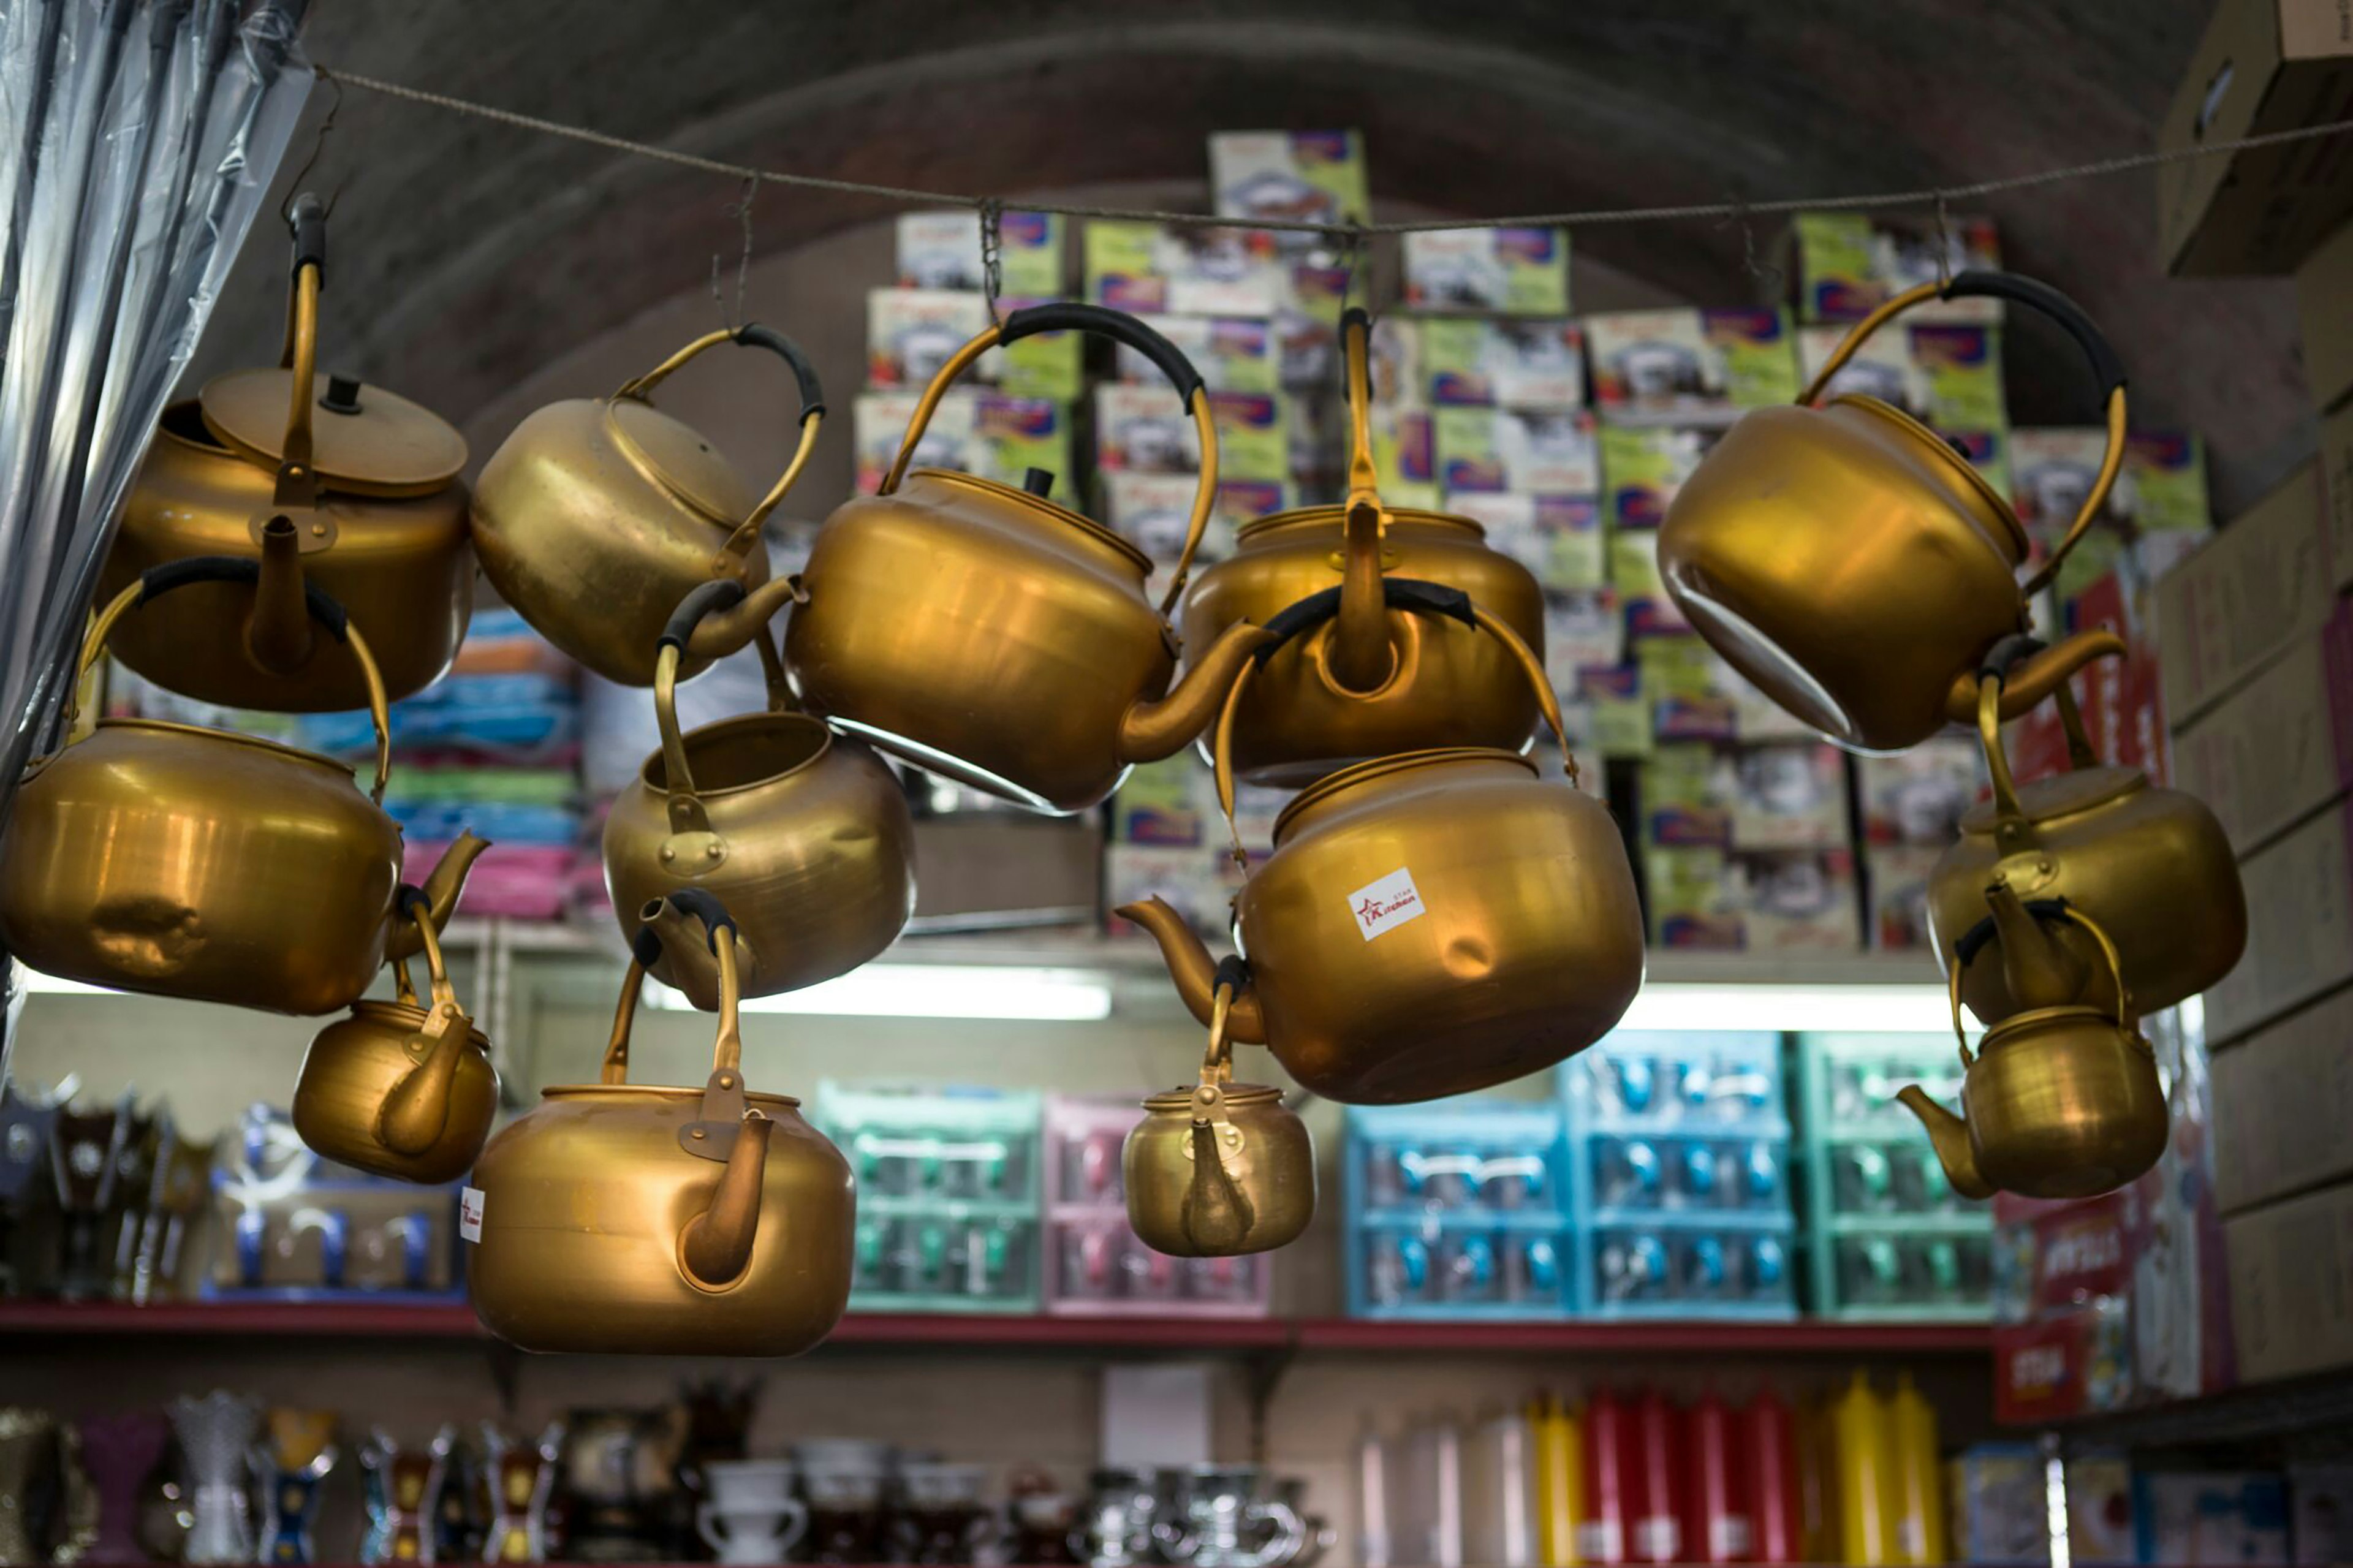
pixel 938 990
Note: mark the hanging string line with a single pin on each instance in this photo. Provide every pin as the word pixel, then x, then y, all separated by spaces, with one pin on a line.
pixel 1928 196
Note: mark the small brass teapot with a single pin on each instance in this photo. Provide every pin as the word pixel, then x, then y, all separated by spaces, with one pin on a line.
pixel 595 516
pixel 1222 1168
pixel 802 833
pixel 1372 681
pixel 163 859
pixel 1854 566
pixel 327 483
pixel 2059 1103
pixel 617 1218
pixel 990 635
pixel 1428 923
pixel 2151 866
pixel 398 1089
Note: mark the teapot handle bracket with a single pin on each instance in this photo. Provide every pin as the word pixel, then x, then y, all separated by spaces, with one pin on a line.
pixel 712 1135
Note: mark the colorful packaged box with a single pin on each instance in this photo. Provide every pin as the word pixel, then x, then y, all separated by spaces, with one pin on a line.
pixel 1166 803
pixel 1515 271
pixel 1688 688
pixel 2211 1515
pixel 1254 438
pixel 1961 371
pixel 1152 511
pixel 1618 717
pixel 1143 429
pixel 2000 1513
pixel 1789 795
pixel 1896 885
pixel 1643 467
pixel 1518 450
pixel 1690 366
pixel 1182 270
pixel 1919 797
pixel 1583 631
pixel 1635 573
pixel 1190 880
pixel 1987 451
pixel 1690 904
pixel 1884 367
pixel 1472 363
pixel 1233 353
pixel 1687 794
pixel 1405 454
pixel 1849 264
pixel 990 434
pixel 2161 489
pixel 1792 898
pixel 1297 177
pixel 911 332
pixel 1557 538
pixel 942 250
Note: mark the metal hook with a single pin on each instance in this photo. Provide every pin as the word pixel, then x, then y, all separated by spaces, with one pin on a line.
pixel 318 145
pixel 1758 269
pixel 992 259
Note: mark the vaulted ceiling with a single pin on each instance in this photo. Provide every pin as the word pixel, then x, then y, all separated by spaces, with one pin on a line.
pixel 488 250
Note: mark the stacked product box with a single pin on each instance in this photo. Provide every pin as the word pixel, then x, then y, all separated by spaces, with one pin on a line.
pixel 1095 1267
pixel 948 1186
pixel 1912 803
pixel 1679 1168
pixel 1456 1210
pixel 1886 1236
pixel 1168 840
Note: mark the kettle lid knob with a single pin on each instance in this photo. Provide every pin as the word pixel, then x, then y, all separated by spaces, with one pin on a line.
pixel 342 395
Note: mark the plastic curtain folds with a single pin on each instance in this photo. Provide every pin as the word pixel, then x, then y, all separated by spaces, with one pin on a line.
pixel 141 136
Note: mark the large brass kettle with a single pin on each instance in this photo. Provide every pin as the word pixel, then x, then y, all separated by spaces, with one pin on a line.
pixel 1220 1168
pixel 595 516
pixel 183 862
pixel 620 1218
pixel 398 1089
pixel 2058 1102
pixel 802 833
pixel 2150 866
pixel 991 636
pixel 328 483
pixel 1854 566
pixel 1371 681
pixel 1428 923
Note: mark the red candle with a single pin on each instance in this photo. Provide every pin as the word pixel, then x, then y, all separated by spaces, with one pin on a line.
pixel 1768 1453
pixel 1716 1514
pixel 1601 1531
pixel 1656 1535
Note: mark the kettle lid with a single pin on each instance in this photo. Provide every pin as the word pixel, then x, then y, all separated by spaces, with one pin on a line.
pixel 682 460
pixel 364 440
pixel 2062 794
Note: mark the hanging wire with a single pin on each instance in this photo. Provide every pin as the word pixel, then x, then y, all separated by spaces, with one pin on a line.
pixel 318 145
pixel 1352 255
pixel 992 257
pixel 1944 249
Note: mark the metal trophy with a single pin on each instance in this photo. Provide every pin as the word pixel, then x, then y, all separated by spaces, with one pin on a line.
pixel 85 1153
pixel 144 1141
pixel 216 1434
pixel 26 1125
pixel 119 1453
pixel 177 1196
pixel 404 1494
pixel 522 1478
pixel 289 1468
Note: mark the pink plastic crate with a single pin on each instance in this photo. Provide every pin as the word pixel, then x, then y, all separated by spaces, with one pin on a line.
pixel 524 882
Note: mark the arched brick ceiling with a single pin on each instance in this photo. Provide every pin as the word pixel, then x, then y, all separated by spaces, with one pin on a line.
pixel 473 254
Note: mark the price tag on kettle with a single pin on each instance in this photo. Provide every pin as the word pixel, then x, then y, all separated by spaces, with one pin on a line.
pixel 469 1213
pixel 1382 905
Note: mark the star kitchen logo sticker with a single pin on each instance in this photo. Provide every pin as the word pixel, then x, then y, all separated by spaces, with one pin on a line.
pixel 1387 903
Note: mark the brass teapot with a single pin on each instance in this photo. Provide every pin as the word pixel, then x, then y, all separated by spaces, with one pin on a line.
pixel 624 1219
pixel 1222 1168
pixel 163 859
pixel 2152 867
pixel 327 483
pixel 990 635
pixel 1371 681
pixel 2058 1102
pixel 398 1089
pixel 1428 923
pixel 1854 566
pixel 595 516
pixel 802 833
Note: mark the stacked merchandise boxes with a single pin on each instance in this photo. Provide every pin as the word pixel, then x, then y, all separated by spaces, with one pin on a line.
pixel 1912 805
pixel 1886 1236
pixel 1095 1267
pixel 948 1186
pixel 1456 1210
pixel 1679 1169
pixel 2120 1512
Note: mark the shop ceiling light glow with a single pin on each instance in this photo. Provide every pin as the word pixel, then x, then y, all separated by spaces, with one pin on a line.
pixel 1829 1009
pixel 940 990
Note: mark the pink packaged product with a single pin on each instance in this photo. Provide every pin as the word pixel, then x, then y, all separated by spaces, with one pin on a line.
pixel 522 882
pixel 1094 1265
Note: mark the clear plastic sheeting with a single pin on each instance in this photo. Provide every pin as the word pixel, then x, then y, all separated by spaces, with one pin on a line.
pixel 141 136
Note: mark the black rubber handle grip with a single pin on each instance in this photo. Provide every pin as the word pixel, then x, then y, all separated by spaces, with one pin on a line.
pixel 157 580
pixel 309 221
pixel 1074 316
pixel 706 907
pixel 1233 973
pixel 719 595
pixel 1399 592
pixel 410 900
pixel 754 335
pixel 645 948
pixel 1973 941
pixel 1998 658
pixel 2041 297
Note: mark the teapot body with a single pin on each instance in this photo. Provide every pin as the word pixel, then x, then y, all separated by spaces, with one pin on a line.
pixel 2063 1102
pixel 583 1202
pixel 1265 1154
pixel 350 1073
pixel 1449 684
pixel 1439 923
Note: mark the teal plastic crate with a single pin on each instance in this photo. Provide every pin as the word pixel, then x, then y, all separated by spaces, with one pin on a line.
pixel 1456 1210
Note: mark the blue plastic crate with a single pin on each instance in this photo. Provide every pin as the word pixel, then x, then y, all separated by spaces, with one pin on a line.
pixel 1457 1210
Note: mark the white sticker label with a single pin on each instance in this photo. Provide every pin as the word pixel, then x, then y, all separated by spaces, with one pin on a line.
pixel 1601 1540
pixel 1658 1537
pixel 1385 905
pixel 469 1213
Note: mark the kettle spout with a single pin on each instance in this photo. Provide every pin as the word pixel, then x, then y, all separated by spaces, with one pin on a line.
pixel 1195 971
pixel 441 890
pixel 2031 680
pixel 278 636
pixel 1360 653
pixel 2037 968
pixel 1950 1136
pixel 689 962
pixel 1150 731
pixel 417 1113
pixel 715 1248
pixel 723 632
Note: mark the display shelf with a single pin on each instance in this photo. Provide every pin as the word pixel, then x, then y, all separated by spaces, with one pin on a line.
pixel 2297 1408
pixel 25 1320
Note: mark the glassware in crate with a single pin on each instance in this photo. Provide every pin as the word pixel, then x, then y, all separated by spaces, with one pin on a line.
pixel 1456 1209
pixel 1094 1263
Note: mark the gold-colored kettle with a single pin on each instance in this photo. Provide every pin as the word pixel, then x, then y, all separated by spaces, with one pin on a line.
pixel 1222 1168
pixel 1372 681
pixel 990 635
pixel 802 833
pixel 328 483
pixel 2151 866
pixel 1854 566
pixel 163 859
pixel 595 516
pixel 2059 1103
pixel 1428 923
pixel 398 1089
pixel 619 1218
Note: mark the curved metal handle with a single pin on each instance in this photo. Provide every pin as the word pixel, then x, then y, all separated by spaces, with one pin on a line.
pixel 1361 652
pixel 297 480
pixel 1071 316
pixel 160 580
pixel 686 813
pixel 415 1113
pixel 2062 909
pixel 716 1246
pixel 812 398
